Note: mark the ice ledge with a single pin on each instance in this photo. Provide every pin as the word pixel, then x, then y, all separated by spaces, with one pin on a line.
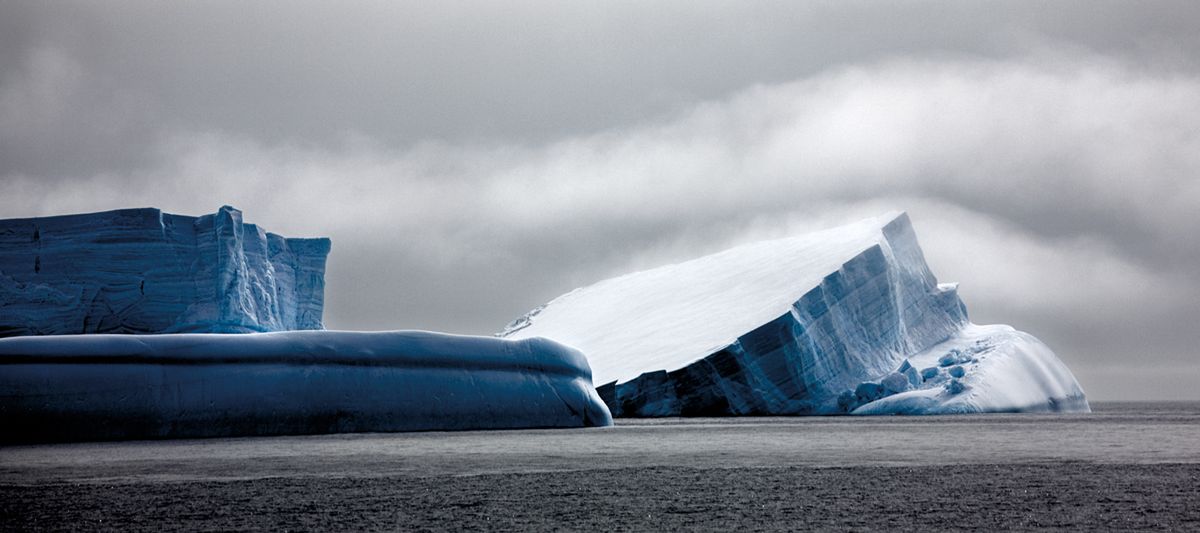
pixel 101 387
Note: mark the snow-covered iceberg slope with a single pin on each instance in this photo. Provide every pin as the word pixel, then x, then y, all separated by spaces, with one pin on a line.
pixel 980 369
pixel 97 387
pixel 145 271
pixel 836 321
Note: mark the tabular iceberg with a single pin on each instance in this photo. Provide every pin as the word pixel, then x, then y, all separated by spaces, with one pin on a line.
pixel 78 293
pixel 96 387
pixel 848 320
pixel 145 271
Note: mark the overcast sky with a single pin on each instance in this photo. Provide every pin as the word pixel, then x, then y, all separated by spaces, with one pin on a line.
pixel 472 161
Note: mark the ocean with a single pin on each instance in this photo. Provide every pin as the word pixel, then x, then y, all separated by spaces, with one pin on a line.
pixel 1124 466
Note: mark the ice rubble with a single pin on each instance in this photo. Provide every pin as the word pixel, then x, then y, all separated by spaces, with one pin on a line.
pixel 145 271
pixel 845 320
pixel 95 387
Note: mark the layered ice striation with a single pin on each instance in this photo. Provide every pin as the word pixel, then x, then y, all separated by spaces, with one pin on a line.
pixel 99 387
pixel 145 271
pixel 838 321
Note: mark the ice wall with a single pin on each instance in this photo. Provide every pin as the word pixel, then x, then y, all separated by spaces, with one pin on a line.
pixel 145 271
pixel 99 387
pixel 793 326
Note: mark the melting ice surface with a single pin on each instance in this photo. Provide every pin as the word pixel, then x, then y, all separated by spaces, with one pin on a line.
pixel 99 387
pixel 847 320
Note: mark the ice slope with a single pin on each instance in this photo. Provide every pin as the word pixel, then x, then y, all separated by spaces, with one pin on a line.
pixel 981 369
pixel 145 271
pixel 789 326
pixel 97 387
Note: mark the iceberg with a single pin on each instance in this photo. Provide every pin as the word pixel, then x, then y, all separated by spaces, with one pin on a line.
pixel 144 271
pixel 847 320
pixel 101 387
pixel 230 307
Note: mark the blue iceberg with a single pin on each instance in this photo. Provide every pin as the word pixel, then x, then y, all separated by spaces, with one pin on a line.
pixel 832 322
pixel 100 387
pixel 145 271
pixel 142 324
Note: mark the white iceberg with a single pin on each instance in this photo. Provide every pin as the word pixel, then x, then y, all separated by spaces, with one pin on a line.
pixel 844 320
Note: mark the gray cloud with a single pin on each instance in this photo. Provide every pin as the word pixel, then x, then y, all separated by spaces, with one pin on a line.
pixel 311 72
pixel 471 167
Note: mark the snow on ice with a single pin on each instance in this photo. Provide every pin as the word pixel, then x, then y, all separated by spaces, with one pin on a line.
pixel 830 322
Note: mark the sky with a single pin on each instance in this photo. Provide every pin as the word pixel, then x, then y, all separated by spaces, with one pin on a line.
pixel 471 161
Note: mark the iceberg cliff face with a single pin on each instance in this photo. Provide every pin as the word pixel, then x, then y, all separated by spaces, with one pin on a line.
pixel 145 271
pixel 100 387
pixel 817 324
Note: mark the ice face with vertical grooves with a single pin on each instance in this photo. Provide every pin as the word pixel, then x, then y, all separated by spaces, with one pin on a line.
pixel 816 324
pixel 145 271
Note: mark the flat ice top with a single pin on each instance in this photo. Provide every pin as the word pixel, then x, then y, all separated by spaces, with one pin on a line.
pixel 370 348
pixel 668 317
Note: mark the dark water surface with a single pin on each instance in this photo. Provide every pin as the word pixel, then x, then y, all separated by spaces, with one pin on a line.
pixel 1125 466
